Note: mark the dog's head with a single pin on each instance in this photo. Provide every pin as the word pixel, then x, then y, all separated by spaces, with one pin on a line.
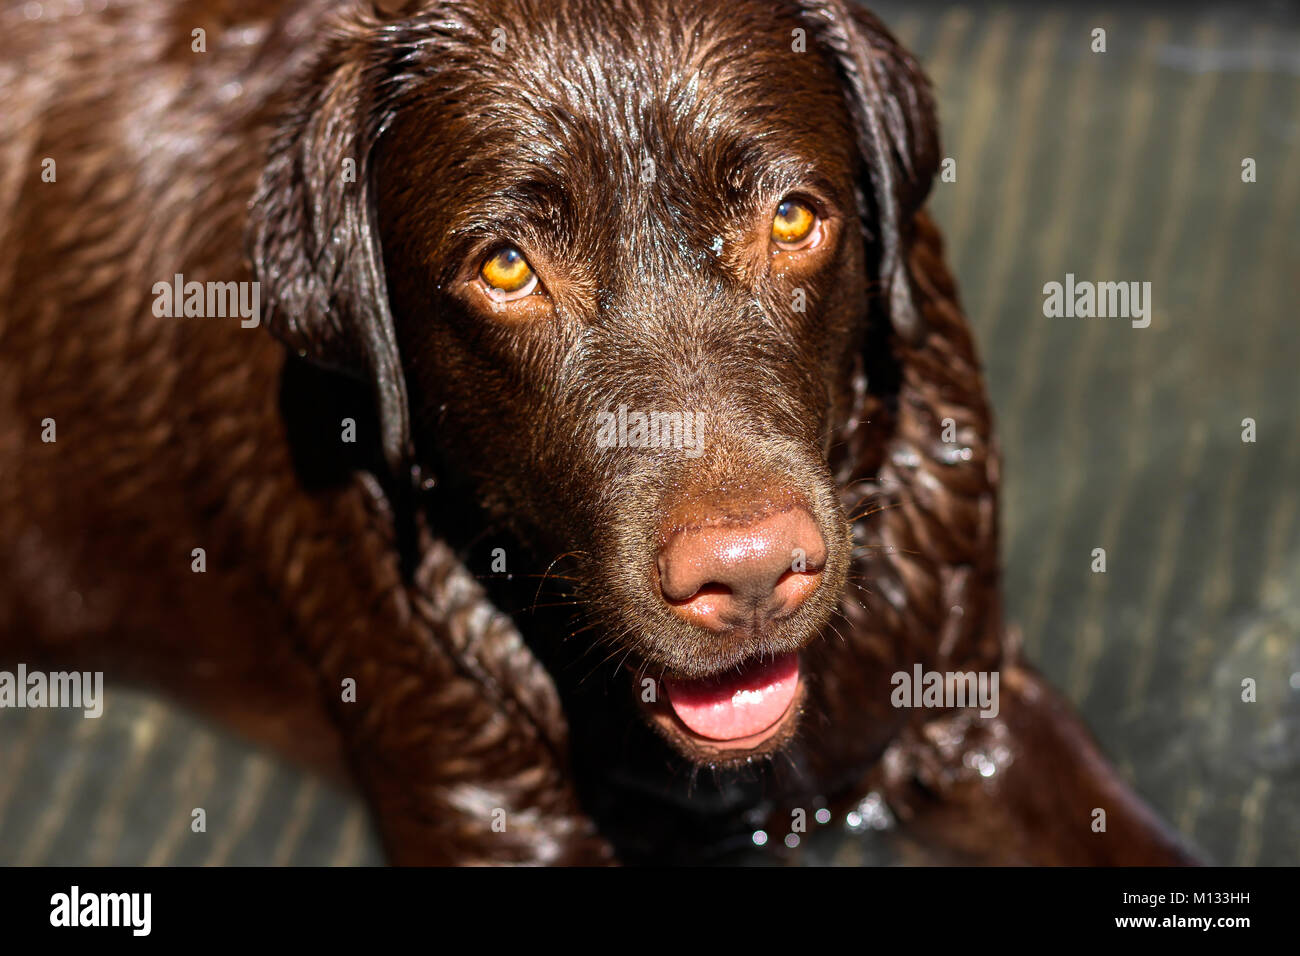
pixel 616 264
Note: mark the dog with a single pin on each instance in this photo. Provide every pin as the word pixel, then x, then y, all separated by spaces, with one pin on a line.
pixel 594 463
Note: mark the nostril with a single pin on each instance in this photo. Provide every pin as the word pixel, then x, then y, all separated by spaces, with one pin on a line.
pixel 792 578
pixel 708 607
pixel 702 593
pixel 795 587
pixel 680 580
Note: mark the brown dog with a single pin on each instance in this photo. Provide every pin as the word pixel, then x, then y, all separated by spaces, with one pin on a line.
pixel 628 311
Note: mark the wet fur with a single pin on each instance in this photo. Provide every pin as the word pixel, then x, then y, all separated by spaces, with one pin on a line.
pixel 329 561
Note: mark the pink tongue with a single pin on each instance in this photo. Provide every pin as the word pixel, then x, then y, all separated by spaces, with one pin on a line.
pixel 736 704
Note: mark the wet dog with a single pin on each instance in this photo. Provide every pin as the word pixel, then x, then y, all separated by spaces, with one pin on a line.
pixel 617 444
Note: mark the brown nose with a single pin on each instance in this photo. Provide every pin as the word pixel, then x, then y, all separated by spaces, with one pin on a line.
pixel 727 574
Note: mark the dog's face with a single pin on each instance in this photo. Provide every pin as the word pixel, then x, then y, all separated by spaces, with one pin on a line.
pixel 629 256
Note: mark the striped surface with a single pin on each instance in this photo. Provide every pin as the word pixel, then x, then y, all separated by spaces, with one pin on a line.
pixel 1116 166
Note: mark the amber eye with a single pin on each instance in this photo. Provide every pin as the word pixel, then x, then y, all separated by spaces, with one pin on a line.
pixel 793 224
pixel 508 274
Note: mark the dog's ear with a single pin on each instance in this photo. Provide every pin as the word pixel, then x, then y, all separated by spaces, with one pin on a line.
pixel 893 112
pixel 312 232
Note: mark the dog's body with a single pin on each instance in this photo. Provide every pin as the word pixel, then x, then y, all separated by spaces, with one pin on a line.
pixel 325 566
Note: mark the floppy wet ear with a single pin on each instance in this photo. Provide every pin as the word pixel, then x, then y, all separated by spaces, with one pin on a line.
pixel 313 239
pixel 893 113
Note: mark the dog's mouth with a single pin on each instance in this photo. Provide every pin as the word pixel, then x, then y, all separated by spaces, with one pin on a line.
pixel 744 710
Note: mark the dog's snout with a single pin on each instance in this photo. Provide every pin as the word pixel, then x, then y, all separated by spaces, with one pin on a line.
pixel 725 573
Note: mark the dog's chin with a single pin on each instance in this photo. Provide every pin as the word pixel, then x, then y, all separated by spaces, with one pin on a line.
pixel 746 713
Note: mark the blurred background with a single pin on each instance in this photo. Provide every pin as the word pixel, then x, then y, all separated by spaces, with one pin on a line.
pixel 1117 166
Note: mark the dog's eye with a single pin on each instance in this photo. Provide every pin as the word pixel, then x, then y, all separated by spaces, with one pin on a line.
pixel 507 274
pixel 794 224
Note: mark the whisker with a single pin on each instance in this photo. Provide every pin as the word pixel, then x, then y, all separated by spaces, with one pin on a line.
pixel 891 548
pixel 875 510
pixel 567 554
pixel 582 630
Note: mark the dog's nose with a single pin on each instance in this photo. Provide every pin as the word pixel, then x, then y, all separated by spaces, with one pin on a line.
pixel 729 573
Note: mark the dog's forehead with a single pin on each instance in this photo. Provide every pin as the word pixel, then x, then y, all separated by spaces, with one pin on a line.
pixel 643 87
